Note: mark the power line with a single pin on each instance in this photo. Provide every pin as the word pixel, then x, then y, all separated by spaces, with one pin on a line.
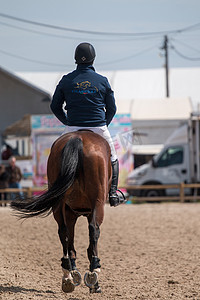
pixel 74 38
pixel 37 32
pixel 70 66
pixel 129 57
pixel 189 28
pixel 186 45
pixel 184 56
pixel 34 61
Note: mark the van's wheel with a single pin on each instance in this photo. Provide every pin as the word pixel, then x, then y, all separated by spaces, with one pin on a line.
pixel 153 193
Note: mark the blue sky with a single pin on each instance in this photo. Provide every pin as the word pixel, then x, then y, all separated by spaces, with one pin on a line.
pixel 28 47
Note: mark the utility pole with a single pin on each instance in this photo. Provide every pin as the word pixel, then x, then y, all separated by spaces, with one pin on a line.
pixel 165 48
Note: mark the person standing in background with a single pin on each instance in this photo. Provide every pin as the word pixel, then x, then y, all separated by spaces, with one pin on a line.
pixel 14 176
pixel 3 182
pixel 7 153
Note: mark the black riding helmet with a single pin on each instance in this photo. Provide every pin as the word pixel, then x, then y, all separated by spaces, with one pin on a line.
pixel 84 53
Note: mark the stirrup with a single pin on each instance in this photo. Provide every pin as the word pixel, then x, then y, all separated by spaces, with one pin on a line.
pixel 115 200
pixel 124 198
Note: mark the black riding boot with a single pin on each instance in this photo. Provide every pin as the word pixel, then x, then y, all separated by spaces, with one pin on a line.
pixel 114 198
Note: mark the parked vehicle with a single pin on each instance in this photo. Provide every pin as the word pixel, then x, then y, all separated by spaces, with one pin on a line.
pixel 178 161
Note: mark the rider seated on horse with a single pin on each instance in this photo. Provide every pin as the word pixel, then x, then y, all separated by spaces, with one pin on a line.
pixel 90 104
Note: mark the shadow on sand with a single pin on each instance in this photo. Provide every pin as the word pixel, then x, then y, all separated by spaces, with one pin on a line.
pixel 19 289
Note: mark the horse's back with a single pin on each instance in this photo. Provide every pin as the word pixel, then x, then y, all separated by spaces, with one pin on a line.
pixel 94 147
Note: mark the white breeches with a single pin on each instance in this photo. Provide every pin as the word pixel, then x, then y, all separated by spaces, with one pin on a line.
pixel 102 131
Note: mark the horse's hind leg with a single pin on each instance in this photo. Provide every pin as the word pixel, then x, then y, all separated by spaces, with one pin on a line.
pixel 91 278
pixel 71 221
pixel 66 234
pixel 67 280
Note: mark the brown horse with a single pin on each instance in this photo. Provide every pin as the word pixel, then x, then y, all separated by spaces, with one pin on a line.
pixel 79 178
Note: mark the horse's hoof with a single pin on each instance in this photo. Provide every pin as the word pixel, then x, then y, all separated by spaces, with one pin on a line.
pixel 76 276
pixel 95 289
pixel 67 285
pixel 90 279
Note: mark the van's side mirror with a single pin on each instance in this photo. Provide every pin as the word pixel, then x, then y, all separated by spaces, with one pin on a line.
pixel 154 163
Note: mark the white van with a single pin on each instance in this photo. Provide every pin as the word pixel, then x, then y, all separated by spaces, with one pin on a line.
pixel 177 162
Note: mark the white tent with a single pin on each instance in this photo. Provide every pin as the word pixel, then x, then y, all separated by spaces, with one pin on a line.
pixel 156 108
pixel 134 84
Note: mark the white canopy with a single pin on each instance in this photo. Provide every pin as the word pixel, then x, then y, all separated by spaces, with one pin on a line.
pixel 134 84
pixel 158 109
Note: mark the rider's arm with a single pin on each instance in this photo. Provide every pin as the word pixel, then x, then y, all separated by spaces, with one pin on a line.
pixel 110 105
pixel 57 105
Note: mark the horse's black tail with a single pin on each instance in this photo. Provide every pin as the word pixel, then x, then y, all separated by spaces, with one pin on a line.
pixel 71 164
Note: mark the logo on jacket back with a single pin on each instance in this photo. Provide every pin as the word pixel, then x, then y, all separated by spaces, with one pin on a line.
pixel 84 88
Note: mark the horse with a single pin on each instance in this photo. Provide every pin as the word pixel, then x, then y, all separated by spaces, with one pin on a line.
pixel 79 176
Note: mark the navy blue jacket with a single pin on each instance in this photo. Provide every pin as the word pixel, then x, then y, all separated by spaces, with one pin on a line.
pixel 87 97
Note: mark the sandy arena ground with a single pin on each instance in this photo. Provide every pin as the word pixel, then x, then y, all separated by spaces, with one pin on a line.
pixel 147 251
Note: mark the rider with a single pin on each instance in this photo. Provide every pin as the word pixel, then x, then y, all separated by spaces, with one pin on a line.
pixel 90 104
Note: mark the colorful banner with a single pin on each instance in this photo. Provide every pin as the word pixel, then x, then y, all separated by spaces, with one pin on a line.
pixel 45 122
pixel 47 128
pixel 122 135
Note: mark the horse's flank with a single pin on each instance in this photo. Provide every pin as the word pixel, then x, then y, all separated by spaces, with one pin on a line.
pixel 92 182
